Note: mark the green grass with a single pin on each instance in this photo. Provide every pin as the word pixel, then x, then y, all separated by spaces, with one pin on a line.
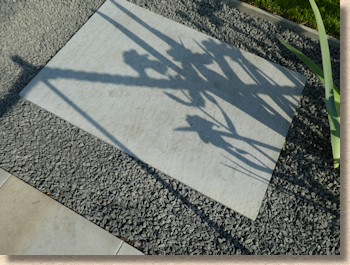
pixel 301 12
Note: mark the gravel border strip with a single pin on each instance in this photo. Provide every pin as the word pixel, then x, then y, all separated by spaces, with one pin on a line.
pixel 280 21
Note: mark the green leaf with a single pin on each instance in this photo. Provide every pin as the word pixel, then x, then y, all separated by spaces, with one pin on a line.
pixel 332 93
pixel 313 66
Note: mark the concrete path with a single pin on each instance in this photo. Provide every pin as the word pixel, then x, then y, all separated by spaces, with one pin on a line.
pixel 32 223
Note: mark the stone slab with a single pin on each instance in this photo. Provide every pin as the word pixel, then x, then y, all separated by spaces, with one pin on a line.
pixel 128 250
pixel 31 223
pixel 3 176
pixel 206 113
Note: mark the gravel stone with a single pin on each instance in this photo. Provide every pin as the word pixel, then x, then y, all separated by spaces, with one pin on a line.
pixel 142 206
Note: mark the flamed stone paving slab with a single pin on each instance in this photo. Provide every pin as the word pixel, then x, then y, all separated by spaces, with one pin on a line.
pixel 206 113
pixel 31 223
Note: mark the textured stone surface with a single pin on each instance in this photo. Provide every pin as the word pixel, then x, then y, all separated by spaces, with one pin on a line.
pixel 203 112
pixel 34 224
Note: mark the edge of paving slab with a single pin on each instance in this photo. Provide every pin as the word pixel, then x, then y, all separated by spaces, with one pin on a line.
pixel 4 176
pixel 122 249
pixel 127 250
pixel 280 21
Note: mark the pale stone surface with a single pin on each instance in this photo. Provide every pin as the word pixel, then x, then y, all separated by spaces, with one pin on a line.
pixel 31 223
pixel 3 176
pixel 199 110
pixel 126 249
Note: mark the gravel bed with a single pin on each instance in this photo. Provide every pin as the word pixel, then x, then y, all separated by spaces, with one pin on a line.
pixel 149 210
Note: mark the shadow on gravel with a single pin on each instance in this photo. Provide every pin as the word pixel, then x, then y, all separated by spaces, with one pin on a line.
pixel 12 96
pixel 205 217
pixel 205 9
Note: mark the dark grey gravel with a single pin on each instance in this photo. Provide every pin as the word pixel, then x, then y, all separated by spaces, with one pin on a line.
pixel 149 210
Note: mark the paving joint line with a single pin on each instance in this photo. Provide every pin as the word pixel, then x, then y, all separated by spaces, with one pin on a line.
pixel 120 246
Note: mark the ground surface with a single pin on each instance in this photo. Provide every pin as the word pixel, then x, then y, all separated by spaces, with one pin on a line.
pixel 158 215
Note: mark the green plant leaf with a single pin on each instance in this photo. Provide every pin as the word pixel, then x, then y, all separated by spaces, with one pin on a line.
pixel 316 69
pixel 332 96
pixel 313 66
pixel 332 93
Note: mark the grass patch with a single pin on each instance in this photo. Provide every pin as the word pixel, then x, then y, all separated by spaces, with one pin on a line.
pixel 301 12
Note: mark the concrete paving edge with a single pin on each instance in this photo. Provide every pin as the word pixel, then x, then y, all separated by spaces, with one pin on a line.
pixel 280 21
pixel 41 224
